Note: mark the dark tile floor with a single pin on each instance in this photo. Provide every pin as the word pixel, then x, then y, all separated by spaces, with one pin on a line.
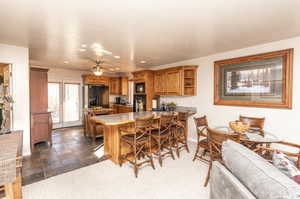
pixel 70 151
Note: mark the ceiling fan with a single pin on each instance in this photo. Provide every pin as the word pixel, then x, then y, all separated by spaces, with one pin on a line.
pixel 98 69
pixel 102 66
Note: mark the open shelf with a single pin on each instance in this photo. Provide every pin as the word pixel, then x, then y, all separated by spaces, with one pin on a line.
pixel 189 82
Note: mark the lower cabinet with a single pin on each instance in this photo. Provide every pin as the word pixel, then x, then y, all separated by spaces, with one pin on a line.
pixel 40 128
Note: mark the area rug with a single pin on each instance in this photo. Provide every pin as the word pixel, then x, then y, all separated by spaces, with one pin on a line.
pixel 177 179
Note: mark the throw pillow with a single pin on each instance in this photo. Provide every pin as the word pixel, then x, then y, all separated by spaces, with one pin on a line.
pixel 286 166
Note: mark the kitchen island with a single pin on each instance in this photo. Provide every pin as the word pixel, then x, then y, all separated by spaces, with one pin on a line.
pixel 112 147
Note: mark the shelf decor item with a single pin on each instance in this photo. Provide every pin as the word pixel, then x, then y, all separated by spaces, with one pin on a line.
pixel 263 80
pixel 239 127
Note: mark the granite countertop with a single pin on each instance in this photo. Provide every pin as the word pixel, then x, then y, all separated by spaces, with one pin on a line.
pixel 123 118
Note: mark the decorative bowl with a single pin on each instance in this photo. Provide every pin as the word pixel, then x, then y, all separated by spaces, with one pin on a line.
pixel 239 127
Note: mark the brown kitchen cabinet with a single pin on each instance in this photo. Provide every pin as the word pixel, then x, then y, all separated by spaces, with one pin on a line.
pixel 119 108
pixel 176 81
pixel 114 86
pixel 123 85
pixel 173 82
pixel 118 86
pixel 159 83
pixel 95 80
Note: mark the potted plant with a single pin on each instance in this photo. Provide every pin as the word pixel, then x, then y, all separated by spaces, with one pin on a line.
pixel 171 106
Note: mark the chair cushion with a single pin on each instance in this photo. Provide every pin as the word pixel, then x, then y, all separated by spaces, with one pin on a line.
pixel 263 179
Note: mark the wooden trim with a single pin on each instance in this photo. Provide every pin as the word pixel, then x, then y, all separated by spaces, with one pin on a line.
pixel 39 69
pixel 286 102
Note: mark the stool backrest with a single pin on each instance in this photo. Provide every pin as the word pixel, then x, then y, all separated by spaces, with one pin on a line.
pixel 183 116
pixel 144 123
pixel 167 119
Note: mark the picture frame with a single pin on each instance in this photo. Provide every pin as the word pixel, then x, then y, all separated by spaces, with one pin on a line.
pixel 261 80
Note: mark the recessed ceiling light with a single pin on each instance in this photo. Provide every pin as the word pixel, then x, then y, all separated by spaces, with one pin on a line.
pixel 97 45
pixel 111 69
pixel 142 62
pixel 66 62
pixel 117 56
pixel 82 50
pixel 83 45
pixel 117 68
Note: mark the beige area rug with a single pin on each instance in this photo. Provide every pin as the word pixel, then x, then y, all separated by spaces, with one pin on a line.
pixel 177 179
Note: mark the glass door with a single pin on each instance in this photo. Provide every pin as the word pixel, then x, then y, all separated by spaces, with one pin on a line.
pixel 71 110
pixel 64 102
pixel 55 103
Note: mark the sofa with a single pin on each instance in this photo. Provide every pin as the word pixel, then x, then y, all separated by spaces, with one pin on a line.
pixel 246 175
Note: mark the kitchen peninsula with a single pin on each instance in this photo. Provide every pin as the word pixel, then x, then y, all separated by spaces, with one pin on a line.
pixel 112 148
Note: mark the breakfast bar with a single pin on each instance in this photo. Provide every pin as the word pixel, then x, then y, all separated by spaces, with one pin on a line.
pixel 112 148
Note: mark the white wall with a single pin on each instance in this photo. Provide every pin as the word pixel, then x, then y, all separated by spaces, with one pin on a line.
pixel 19 58
pixel 282 122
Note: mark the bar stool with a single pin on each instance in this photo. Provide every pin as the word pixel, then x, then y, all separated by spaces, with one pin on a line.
pixel 180 132
pixel 162 136
pixel 138 138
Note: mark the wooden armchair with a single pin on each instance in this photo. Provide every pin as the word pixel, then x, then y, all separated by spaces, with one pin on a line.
pixel 266 152
pixel 202 142
pixel 215 141
pixel 256 124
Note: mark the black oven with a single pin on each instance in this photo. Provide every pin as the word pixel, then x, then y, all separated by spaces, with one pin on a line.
pixel 139 87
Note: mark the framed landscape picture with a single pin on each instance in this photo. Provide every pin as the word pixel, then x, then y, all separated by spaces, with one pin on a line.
pixel 263 80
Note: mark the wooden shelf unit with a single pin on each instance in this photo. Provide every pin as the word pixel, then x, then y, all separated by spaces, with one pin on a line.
pixel 190 81
pixel 176 81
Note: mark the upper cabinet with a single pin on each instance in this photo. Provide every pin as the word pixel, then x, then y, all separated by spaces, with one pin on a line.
pixel 173 85
pixel 176 81
pixel 159 88
pixel 124 86
pixel 95 80
pixel 118 86
pixel 114 86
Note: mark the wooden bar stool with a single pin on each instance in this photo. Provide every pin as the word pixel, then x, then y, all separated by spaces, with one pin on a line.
pixel 139 140
pixel 202 141
pixel 163 137
pixel 180 133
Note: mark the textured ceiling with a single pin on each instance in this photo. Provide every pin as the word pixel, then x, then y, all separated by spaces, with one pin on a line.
pixel 157 31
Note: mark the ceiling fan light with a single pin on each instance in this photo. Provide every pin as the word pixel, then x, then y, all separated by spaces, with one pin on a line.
pixel 98 71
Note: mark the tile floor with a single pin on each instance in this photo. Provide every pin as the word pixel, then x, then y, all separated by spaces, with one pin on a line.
pixel 70 150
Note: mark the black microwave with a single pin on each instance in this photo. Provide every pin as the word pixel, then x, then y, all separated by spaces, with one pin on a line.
pixel 140 87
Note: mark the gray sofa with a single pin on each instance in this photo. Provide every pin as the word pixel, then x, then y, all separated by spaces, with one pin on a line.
pixel 246 175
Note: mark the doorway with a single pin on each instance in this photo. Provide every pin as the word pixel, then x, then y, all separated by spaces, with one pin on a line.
pixel 64 102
